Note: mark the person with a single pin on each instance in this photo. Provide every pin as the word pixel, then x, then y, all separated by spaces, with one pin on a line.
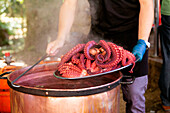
pixel 125 22
pixel 164 80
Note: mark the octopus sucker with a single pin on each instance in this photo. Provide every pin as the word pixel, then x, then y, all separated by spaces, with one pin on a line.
pixel 92 58
pixel 69 71
pixel 73 75
pixel 76 58
pixel 114 57
pixel 128 58
pixel 73 51
pixel 68 66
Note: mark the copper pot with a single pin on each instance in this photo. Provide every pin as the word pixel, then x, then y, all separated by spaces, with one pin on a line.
pixel 39 91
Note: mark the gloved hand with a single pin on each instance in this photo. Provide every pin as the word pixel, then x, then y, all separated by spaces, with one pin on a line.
pixel 139 49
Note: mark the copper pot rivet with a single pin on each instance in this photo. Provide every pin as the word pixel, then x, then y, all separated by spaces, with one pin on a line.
pixel 46 93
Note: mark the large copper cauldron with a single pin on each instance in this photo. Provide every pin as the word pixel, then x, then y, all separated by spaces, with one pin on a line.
pixel 39 91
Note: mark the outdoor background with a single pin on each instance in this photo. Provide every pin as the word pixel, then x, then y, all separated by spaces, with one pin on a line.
pixel 27 26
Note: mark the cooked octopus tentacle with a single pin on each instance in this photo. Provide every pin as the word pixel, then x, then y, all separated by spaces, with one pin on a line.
pixel 73 51
pixel 106 47
pixel 87 47
pixel 93 58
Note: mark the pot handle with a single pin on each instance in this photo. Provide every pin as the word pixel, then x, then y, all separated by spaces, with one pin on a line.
pixel 128 82
pixel 1 76
pixel 42 58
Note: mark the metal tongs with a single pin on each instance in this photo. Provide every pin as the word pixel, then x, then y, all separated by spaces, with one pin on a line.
pixel 58 75
pixel 42 58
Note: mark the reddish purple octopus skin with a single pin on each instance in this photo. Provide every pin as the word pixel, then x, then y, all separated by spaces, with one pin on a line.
pixel 81 65
pixel 71 71
pixel 92 58
pixel 114 57
pixel 73 51
pixel 69 66
pixel 92 68
pixel 128 58
pixel 106 47
pixel 121 53
pixel 88 64
pixel 100 58
pixel 87 47
pixel 75 58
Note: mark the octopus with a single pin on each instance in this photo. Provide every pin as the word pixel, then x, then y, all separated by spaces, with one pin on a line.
pixel 93 58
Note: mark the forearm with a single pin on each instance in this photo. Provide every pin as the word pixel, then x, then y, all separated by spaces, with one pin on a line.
pixel 66 18
pixel 146 17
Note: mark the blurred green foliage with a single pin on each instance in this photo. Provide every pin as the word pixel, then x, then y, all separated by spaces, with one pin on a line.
pixel 5 26
pixel 13 8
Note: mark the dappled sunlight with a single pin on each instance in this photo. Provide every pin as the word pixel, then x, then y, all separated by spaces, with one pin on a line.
pixel 15 24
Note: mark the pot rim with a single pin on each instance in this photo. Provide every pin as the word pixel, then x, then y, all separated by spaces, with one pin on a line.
pixel 65 92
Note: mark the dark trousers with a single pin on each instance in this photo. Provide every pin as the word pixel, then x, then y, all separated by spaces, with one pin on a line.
pixel 164 81
pixel 133 95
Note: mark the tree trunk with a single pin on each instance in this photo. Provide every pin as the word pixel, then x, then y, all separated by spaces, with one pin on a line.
pixel 42 22
pixel 42 25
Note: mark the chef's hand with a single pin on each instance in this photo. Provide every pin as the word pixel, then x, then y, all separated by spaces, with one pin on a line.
pixel 53 47
pixel 139 49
